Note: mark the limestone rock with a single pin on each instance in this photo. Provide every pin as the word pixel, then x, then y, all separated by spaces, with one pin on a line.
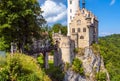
pixel 92 64
pixel 72 76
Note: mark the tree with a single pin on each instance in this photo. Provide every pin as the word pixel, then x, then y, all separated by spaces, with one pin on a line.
pixel 20 21
pixel 58 27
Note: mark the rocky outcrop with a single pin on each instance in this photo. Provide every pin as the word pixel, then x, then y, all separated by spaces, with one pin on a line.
pixel 72 76
pixel 92 64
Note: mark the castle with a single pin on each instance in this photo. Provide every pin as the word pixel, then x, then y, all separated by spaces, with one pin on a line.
pixel 82 30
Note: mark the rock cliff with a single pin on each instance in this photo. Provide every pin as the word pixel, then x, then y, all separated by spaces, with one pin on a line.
pixel 92 64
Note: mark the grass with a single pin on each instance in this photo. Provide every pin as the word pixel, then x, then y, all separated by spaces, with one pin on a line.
pixel 55 73
pixel 40 61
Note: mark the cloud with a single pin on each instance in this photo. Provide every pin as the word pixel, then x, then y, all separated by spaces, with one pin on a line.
pixel 105 33
pixel 54 12
pixel 112 2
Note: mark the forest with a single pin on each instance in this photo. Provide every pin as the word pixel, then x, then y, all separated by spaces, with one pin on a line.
pixel 110 51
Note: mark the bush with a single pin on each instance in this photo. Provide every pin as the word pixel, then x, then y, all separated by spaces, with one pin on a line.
pixel 77 66
pixel 55 73
pixel 101 76
pixel 76 50
pixel 67 66
pixel 96 48
pixel 20 67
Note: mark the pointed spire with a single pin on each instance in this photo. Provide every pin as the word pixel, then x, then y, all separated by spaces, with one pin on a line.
pixel 83 3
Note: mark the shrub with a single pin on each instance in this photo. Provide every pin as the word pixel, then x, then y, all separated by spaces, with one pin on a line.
pixel 21 67
pixel 101 76
pixel 77 66
pixel 55 73
pixel 67 66
pixel 96 48
pixel 76 50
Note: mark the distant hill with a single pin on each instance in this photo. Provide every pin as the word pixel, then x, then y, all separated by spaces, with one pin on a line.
pixel 110 50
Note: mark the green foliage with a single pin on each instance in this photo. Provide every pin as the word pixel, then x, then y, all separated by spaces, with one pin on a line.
pixel 20 67
pixel 20 21
pixel 96 48
pixel 76 50
pixel 77 66
pixel 2 61
pixel 58 27
pixel 110 50
pixel 3 45
pixel 79 51
pixel 67 66
pixel 55 73
pixel 101 76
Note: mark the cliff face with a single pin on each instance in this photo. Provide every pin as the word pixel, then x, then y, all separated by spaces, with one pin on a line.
pixel 92 64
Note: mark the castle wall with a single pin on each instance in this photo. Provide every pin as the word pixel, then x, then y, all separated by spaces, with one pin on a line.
pixel 66 47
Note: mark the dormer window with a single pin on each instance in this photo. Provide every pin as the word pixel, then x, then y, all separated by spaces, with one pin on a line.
pixel 78 22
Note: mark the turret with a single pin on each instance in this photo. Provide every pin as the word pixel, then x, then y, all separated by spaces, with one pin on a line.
pixel 73 6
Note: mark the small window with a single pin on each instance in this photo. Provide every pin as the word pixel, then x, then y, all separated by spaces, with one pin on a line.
pixel 78 22
pixel 84 29
pixel 83 11
pixel 78 29
pixel 70 10
pixel 73 30
pixel 70 1
pixel 81 37
pixel 70 17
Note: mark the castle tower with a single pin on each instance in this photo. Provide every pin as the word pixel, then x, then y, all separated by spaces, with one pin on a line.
pixel 73 6
pixel 83 27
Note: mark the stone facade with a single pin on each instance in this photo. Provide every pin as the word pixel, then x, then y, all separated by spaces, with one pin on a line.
pixel 82 31
pixel 84 28
pixel 66 47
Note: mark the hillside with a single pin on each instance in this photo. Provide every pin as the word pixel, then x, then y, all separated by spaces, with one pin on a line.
pixel 110 50
pixel 20 67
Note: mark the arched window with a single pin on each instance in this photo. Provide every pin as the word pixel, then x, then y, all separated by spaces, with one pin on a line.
pixel 78 30
pixel 84 29
pixel 78 22
pixel 81 37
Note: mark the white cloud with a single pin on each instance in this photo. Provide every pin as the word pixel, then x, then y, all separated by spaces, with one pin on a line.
pixel 54 12
pixel 112 2
pixel 105 33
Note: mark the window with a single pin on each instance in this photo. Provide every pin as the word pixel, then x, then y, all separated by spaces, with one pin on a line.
pixel 70 17
pixel 73 30
pixel 81 37
pixel 78 29
pixel 70 10
pixel 84 29
pixel 83 12
pixel 70 1
pixel 78 22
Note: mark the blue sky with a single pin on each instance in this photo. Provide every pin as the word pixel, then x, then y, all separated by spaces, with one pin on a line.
pixel 107 11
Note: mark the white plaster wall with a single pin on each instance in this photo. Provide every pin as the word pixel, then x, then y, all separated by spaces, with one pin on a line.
pixel 73 8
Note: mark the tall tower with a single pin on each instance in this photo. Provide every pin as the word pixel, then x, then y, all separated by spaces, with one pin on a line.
pixel 73 6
